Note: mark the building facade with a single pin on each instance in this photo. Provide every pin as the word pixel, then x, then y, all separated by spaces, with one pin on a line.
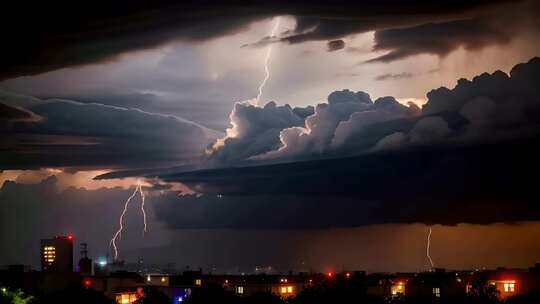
pixel 57 254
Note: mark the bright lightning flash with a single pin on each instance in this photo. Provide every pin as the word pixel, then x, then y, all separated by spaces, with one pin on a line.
pixel 142 208
pixel 118 234
pixel 428 248
pixel 267 59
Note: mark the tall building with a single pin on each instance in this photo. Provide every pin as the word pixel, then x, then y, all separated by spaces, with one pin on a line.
pixel 57 254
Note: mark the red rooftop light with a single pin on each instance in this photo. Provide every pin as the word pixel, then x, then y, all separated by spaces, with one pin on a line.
pixel 87 283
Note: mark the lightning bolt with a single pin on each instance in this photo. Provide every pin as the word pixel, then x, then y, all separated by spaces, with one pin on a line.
pixel 142 208
pixel 428 248
pixel 118 234
pixel 267 59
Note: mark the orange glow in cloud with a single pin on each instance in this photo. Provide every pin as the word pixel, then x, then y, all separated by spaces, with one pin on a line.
pixel 82 179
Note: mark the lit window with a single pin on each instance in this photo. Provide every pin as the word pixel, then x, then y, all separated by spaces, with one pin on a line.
pixel 126 298
pixel 509 287
pixel 398 288
pixel 239 289
pixel 286 289
pixel 437 292
pixel 198 282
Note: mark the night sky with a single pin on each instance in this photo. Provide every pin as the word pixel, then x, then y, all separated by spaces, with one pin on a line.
pixel 378 119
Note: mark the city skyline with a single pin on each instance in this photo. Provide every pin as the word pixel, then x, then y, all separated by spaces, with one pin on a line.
pixel 382 136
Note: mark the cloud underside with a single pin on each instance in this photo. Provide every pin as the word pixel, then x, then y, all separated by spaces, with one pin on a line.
pixel 102 31
pixel 481 184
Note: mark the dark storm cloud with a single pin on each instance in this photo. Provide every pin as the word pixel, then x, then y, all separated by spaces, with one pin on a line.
pixel 335 45
pixel 78 134
pixel 209 113
pixel 480 184
pixel 467 157
pixel 54 35
pixel 390 76
pixel 439 38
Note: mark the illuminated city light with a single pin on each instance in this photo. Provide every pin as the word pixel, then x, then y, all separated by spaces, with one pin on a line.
pixel 87 283
pixel 286 289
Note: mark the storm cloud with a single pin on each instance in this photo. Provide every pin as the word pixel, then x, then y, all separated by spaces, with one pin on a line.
pixel 474 184
pixel 465 158
pixel 102 32
pixel 489 107
pixel 78 134
pixel 255 130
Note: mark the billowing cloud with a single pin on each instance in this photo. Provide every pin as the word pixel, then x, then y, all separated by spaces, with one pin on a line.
pixel 488 107
pixel 491 107
pixel 255 130
pixel 91 134
pixel 334 123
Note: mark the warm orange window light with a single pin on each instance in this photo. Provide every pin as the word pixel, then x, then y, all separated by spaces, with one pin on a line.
pixel 126 298
pixel 509 286
pixel 286 289
pixel 398 288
